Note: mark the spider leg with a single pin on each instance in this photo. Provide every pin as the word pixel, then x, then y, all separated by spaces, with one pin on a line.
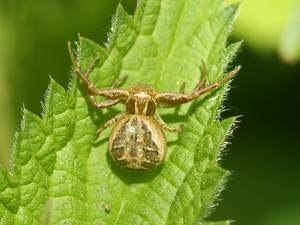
pixel 104 104
pixel 174 99
pixel 202 81
pixel 201 90
pixel 165 126
pixel 83 75
pixel 119 82
pixel 108 93
pixel 110 122
pixel 181 90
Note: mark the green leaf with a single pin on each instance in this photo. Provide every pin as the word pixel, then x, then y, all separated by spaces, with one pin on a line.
pixel 62 173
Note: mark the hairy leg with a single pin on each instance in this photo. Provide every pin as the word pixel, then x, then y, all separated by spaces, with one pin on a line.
pixel 165 126
pixel 83 75
pixel 202 81
pixel 104 104
pixel 181 91
pixel 174 99
pixel 110 122
pixel 108 93
pixel 119 82
pixel 202 90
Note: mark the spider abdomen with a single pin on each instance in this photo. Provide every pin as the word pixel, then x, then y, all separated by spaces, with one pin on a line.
pixel 137 142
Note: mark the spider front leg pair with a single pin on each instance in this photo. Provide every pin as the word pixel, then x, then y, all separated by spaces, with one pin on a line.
pixel 140 100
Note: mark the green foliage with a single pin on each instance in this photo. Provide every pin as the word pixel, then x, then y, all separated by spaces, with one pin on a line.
pixel 276 21
pixel 290 40
pixel 61 171
pixel 282 215
pixel 265 19
pixel 5 98
pixel 216 223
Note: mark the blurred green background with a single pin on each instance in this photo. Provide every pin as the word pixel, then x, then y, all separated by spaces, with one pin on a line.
pixel 264 156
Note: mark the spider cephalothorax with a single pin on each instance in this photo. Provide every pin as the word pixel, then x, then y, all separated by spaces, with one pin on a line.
pixel 141 101
pixel 137 141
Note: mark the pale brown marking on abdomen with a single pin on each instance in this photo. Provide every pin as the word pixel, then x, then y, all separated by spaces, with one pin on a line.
pixel 137 142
